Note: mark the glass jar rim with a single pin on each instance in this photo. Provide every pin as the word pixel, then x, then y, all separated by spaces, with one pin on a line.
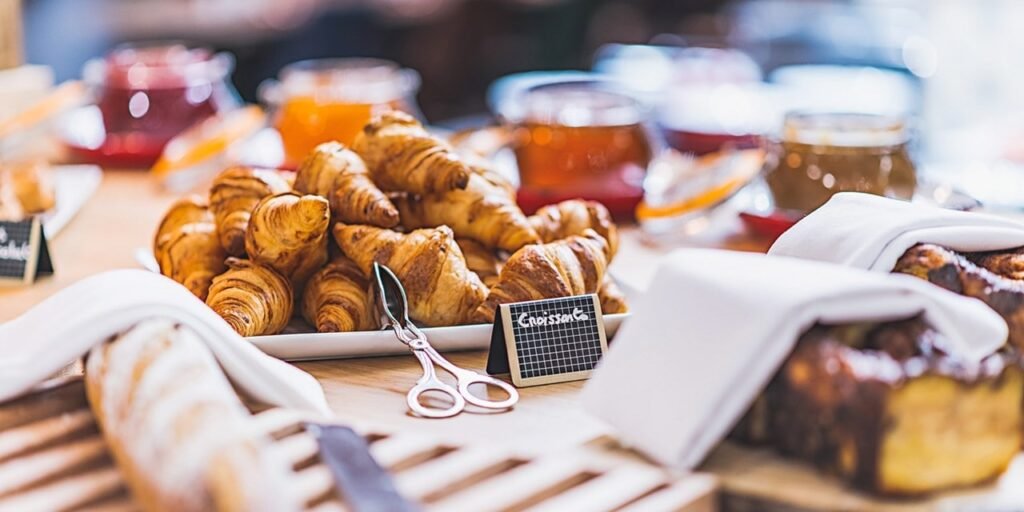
pixel 354 79
pixel 574 103
pixel 844 129
pixel 126 66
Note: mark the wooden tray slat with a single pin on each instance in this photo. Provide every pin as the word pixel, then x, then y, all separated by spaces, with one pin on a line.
pixel 606 492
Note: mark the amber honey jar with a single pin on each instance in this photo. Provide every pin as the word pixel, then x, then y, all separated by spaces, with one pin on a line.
pixel 579 139
pixel 821 154
pixel 322 100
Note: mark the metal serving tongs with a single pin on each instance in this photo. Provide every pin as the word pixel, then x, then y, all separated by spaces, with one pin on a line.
pixel 394 307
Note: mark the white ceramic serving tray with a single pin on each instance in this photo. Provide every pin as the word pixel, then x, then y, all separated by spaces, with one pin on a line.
pixel 295 345
pixel 299 343
pixel 73 186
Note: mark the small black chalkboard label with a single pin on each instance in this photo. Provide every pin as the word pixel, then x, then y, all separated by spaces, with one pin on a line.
pixel 547 341
pixel 24 254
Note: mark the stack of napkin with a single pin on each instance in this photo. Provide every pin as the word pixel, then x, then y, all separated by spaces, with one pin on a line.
pixel 715 326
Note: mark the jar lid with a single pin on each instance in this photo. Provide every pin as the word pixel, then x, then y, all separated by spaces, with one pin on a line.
pixel 158 66
pixel 844 129
pixel 573 102
pixel 355 80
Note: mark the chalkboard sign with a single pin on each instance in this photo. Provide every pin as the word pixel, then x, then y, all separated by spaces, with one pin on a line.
pixel 547 341
pixel 24 254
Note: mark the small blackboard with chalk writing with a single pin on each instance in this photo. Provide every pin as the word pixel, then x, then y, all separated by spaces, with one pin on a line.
pixel 547 341
pixel 24 254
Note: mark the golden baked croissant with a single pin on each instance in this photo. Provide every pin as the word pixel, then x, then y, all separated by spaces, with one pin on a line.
pixel 403 157
pixel 572 217
pixel 483 212
pixel 337 173
pixel 612 299
pixel 186 246
pixel 337 299
pixel 234 194
pixel 175 426
pixel 254 299
pixel 440 288
pixel 571 266
pixel 288 232
pixel 33 186
pixel 481 260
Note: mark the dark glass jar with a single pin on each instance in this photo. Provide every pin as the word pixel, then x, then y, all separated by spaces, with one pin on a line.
pixel 821 154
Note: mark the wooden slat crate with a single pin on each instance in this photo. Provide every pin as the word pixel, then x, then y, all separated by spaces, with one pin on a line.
pixel 52 457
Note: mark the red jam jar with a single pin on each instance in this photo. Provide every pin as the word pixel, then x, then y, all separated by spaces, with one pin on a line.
pixel 149 93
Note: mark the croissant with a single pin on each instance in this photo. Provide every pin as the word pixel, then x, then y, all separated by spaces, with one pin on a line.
pixel 481 261
pixel 572 266
pixel 335 172
pixel 288 233
pixel 254 299
pixel 441 290
pixel 402 156
pixel 483 212
pixel 234 194
pixel 336 298
pixel 572 217
pixel 612 299
pixel 186 246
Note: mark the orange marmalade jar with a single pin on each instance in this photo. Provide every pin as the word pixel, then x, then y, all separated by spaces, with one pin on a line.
pixel 322 100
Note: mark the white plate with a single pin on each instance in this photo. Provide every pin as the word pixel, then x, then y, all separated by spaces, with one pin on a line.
pixel 297 346
pixel 73 186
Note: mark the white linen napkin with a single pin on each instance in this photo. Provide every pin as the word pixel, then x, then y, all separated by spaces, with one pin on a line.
pixel 872 232
pixel 67 325
pixel 715 326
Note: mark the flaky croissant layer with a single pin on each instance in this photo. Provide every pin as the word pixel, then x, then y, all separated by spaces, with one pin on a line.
pixel 440 288
pixel 234 194
pixel 573 266
pixel 336 298
pixel 288 232
pixel 254 299
pixel 337 173
pixel 186 247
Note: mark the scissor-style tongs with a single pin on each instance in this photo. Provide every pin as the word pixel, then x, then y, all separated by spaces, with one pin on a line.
pixel 394 306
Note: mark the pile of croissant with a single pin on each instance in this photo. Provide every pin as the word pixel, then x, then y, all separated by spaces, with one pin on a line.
pixel 259 249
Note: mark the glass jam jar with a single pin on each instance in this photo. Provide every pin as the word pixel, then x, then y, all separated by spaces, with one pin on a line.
pixel 579 139
pixel 820 154
pixel 148 93
pixel 322 100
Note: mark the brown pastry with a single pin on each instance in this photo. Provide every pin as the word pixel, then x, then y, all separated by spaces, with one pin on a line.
pixel 883 408
pixel 234 194
pixel 338 174
pixel 403 157
pixel 288 232
pixel 483 211
pixel 440 288
pixel 573 266
pixel 482 261
pixel 955 272
pixel 337 298
pixel 32 183
pixel 572 217
pixel 254 299
pixel 612 299
pixel 175 426
pixel 10 207
pixel 186 246
pixel 1009 264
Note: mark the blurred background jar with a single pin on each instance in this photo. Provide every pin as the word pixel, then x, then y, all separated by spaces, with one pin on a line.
pixel 148 93
pixel 322 100
pixel 821 154
pixel 579 139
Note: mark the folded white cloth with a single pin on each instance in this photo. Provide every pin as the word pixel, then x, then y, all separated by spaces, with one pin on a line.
pixel 67 325
pixel 715 326
pixel 872 232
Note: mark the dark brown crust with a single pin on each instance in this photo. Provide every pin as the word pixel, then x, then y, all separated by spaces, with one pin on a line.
pixel 957 273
